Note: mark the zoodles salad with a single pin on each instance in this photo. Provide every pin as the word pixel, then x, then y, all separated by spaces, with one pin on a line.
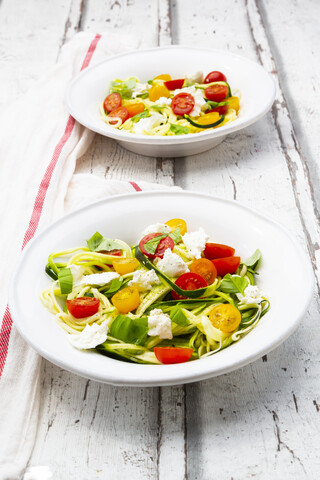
pixel 166 107
pixel 173 297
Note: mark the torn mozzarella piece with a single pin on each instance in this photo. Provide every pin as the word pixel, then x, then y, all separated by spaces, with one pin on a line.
pixel 144 280
pixel 195 242
pixel 90 337
pixel 98 279
pixel 171 264
pixel 159 324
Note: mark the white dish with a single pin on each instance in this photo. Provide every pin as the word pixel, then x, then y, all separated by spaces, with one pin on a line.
pixel 85 93
pixel 285 270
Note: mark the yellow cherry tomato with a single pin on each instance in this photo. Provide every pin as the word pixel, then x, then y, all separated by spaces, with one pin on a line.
pixel 125 265
pixel 126 300
pixel 225 317
pixel 233 103
pixel 158 91
pixel 208 118
pixel 177 222
pixel 164 76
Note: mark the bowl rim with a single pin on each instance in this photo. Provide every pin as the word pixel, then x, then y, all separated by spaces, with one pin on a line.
pixel 204 371
pixel 177 139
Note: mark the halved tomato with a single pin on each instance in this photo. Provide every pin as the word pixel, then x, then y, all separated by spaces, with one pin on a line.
pixel 182 104
pixel 174 84
pixel 217 250
pixel 82 307
pixel 126 300
pixel 135 108
pixel 164 243
pixel 221 110
pixel 112 102
pixel 215 76
pixel 216 93
pixel 226 265
pixel 170 355
pixel 121 113
pixel 188 281
pixel 205 268
pixel 177 222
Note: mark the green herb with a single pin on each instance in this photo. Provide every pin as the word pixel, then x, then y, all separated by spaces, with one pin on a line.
pixel 176 235
pixel 179 317
pixel 254 260
pixel 150 82
pixel 97 242
pixel 114 286
pixel 137 117
pixel 65 280
pixel 123 87
pixel 151 245
pixel 233 284
pixel 143 95
pixel 179 129
pixel 130 330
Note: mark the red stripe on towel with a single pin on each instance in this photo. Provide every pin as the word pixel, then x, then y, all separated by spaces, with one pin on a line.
pixel 136 186
pixel 37 209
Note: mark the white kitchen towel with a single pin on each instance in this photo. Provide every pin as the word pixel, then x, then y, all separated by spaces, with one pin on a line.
pixel 39 146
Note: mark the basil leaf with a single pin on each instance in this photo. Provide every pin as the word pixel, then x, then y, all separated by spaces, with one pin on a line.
pixel 176 235
pixel 130 330
pixel 233 284
pixel 151 245
pixel 114 286
pixel 254 260
pixel 138 117
pixel 179 317
pixel 123 87
pixel 150 82
pixel 143 95
pixel 179 129
pixel 97 242
pixel 65 280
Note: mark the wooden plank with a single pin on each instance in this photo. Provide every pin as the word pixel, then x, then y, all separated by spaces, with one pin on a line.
pixel 31 34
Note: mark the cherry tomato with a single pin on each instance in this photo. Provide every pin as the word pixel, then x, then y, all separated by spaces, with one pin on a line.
pixel 116 253
pixel 233 102
pixel 188 281
pixel 126 300
pixel 208 118
pixel 216 93
pixel 170 355
pixel 225 317
pixel 205 268
pixel 221 110
pixel 217 250
pixel 121 113
pixel 163 76
pixel 125 265
pixel 177 222
pixel 215 76
pixel 157 91
pixel 174 84
pixel 182 104
pixel 164 243
pixel 112 102
pixel 135 108
pixel 82 307
pixel 226 265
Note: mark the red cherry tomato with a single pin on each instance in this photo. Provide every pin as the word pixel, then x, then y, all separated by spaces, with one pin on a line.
pixel 226 265
pixel 170 355
pixel 174 84
pixel 188 281
pixel 182 104
pixel 115 252
pixel 221 110
pixel 164 243
pixel 112 102
pixel 215 77
pixel 217 250
pixel 121 113
pixel 216 93
pixel 83 306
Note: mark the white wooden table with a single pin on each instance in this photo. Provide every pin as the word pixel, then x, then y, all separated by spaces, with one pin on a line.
pixel 262 421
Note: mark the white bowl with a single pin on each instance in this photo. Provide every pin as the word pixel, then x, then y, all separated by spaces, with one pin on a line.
pixel 85 93
pixel 125 216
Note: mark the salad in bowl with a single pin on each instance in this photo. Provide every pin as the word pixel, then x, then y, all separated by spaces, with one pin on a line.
pixel 164 106
pixel 175 296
